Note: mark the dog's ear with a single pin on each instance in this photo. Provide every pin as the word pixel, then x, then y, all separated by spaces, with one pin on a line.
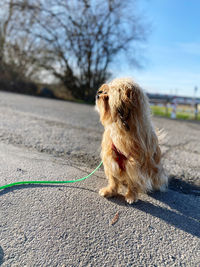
pixel 129 94
pixel 124 114
pixel 130 103
pixel 132 96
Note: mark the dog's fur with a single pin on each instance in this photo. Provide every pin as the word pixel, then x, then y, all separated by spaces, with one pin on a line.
pixel 130 151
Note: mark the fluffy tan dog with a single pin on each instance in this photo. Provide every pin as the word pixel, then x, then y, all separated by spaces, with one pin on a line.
pixel 130 151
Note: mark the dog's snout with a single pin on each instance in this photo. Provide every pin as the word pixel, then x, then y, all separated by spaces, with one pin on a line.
pixel 98 94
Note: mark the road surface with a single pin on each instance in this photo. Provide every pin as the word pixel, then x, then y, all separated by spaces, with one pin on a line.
pixel 71 225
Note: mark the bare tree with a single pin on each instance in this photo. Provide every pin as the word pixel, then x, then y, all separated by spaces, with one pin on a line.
pixel 78 39
pixel 18 48
pixel 4 28
pixel 18 65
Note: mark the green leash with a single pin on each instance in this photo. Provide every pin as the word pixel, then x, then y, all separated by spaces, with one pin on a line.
pixel 50 182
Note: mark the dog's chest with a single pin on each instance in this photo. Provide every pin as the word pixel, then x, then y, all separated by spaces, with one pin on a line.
pixel 119 157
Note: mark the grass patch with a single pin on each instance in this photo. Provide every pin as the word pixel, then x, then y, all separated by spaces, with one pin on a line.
pixel 161 111
pixel 186 114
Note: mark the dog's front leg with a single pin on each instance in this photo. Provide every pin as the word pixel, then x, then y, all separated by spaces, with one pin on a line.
pixel 132 193
pixel 112 188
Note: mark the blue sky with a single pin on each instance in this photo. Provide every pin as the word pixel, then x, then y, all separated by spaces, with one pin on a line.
pixel 172 52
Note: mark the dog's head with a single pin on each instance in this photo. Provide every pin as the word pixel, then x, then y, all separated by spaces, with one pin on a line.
pixel 121 101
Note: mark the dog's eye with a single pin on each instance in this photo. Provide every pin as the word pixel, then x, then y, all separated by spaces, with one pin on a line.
pixel 100 92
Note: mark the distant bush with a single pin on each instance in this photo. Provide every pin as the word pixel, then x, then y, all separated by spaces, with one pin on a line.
pixel 46 92
pixel 13 81
pixel 23 87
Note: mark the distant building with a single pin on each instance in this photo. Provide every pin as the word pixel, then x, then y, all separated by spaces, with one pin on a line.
pixel 163 98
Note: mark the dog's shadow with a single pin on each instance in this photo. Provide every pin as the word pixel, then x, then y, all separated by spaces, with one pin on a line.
pixel 180 214
pixel 1 256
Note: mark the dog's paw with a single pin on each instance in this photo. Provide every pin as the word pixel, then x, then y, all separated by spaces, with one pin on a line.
pixel 131 198
pixel 106 192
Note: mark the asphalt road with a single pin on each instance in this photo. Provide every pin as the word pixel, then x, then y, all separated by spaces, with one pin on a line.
pixel 71 225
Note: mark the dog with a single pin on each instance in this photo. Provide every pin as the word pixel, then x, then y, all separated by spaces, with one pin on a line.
pixel 130 149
